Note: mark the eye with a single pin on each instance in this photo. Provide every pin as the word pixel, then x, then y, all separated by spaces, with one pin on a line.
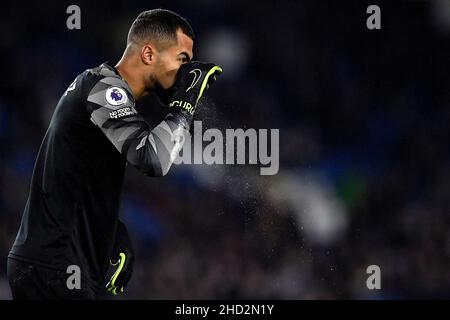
pixel 184 58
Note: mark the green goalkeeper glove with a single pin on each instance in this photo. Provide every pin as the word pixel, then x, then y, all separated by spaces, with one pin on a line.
pixel 122 275
pixel 123 259
pixel 192 80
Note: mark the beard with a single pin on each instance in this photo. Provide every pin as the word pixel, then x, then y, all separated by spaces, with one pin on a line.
pixel 164 95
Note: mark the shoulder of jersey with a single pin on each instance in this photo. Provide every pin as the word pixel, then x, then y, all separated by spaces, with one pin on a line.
pixel 103 71
pixel 117 93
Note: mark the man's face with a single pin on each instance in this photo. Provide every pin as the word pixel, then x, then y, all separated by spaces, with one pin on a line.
pixel 169 60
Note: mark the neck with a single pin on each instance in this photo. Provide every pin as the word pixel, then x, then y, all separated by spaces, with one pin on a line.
pixel 129 71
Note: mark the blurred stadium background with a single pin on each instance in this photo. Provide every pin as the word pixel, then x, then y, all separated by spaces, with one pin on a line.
pixel 364 146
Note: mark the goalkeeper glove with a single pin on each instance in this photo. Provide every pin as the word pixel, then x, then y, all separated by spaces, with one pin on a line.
pixel 192 80
pixel 122 259
pixel 124 269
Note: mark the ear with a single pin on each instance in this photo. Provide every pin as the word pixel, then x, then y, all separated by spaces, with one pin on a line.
pixel 147 54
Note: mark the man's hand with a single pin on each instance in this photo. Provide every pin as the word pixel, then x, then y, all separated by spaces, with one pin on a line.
pixel 193 79
pixel 122 258
pixel 120 278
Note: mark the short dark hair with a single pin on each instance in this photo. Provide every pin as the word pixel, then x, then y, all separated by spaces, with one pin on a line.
pixel 160 25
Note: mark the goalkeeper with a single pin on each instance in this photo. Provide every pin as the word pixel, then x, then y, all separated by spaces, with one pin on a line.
pixel 71 214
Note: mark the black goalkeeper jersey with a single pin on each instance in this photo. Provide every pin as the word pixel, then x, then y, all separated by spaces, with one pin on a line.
pixel 71 215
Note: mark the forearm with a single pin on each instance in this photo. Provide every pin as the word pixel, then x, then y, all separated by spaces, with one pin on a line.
pixel 150 151
pixel 154 152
